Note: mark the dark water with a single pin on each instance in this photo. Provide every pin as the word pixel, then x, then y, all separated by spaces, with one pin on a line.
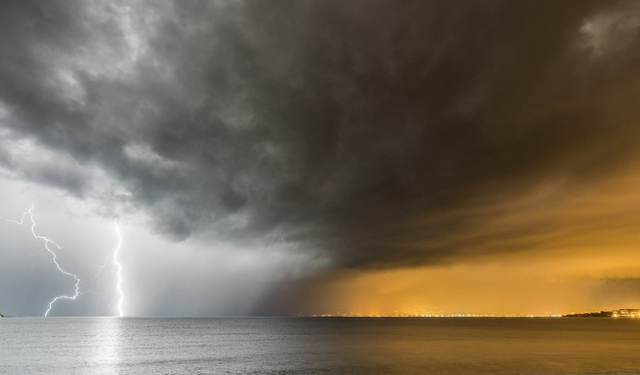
pixel 319 346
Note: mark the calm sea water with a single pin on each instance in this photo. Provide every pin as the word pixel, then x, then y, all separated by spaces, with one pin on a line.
pixel 318 346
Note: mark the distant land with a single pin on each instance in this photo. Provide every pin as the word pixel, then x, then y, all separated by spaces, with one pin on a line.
pixel 620 313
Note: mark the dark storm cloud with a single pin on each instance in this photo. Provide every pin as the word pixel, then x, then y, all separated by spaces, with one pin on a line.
pixel 379 133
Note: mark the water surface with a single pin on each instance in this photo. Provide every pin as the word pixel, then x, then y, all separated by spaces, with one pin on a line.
pixel 319 346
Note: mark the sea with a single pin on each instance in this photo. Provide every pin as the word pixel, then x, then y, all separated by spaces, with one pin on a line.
pixel 319 346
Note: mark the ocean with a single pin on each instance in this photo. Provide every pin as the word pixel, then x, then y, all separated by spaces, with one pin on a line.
pixel 319 346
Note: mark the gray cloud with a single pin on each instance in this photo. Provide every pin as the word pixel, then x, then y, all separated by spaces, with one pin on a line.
pixel 376 133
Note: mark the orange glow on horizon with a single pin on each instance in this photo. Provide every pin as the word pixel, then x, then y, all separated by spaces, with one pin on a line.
pixel 578 252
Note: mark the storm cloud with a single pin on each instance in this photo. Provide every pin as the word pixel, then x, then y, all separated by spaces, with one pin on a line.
pixel 375 134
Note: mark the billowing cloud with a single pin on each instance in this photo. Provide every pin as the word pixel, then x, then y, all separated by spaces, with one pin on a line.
pixel 374 134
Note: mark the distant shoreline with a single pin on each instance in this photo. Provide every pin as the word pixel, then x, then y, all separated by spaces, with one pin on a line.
pixel 619 313
pixel 614 314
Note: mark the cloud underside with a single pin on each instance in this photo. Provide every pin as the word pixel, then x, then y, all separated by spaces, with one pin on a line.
pixel 376 134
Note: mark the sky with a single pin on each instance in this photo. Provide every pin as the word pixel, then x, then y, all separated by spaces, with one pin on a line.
pixel 314 157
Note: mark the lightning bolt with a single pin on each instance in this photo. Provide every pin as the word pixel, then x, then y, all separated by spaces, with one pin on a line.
pixel 119 295
pixel 47 243
pixel 117 263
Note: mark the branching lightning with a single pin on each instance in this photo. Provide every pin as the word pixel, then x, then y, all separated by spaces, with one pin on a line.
pixel 47 243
